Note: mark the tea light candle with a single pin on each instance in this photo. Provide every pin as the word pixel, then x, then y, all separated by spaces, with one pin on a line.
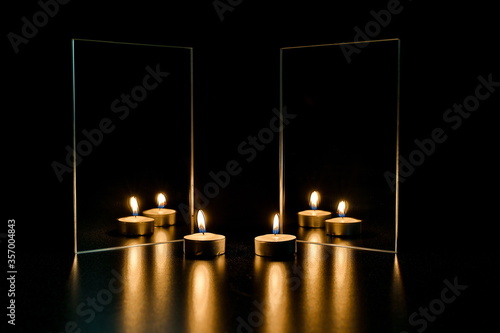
pixel 343 226
pixel 275 244
pixel 204 244
pixel 135 225
pixel 313 218
pixel 163 217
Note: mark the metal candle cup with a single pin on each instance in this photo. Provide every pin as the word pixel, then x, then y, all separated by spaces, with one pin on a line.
pixel 275 244
pixel 343 226
pixel 163 217
pixel 204 245
pixel 279 245
pixel 313 218
pixel 136 225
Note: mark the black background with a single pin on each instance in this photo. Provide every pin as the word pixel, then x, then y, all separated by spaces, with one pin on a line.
pixel 446 204
pixel 443 50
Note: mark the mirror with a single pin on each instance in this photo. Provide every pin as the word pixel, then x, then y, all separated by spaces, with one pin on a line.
pixel 132 110
pixel 343 142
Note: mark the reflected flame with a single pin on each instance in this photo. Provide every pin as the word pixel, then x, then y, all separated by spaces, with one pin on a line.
pixel 276 224
pixel 161 199
pixel 314 200
pixel 201 291
pixel 342 208
pixel 134 205
pixel 200 218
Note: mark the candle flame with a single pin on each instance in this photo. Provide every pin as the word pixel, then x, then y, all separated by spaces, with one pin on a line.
pixel 342 208
pixel 134 205
pixel 200 218
pixel 276 224
pixel 314 200
pixel 161 199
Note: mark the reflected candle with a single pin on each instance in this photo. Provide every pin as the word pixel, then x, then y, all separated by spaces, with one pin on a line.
pixel 204 244
pixel 343 226
pixel 275 244
pixel 135 225
pixel 163 217
pixel 313 218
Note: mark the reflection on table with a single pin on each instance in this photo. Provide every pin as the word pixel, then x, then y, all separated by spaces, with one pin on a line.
pixel 156 289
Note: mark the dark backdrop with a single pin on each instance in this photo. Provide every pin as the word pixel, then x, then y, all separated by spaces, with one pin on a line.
pixel 444 49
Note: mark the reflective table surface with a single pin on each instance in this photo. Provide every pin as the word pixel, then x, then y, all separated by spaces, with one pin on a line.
pixel 322 289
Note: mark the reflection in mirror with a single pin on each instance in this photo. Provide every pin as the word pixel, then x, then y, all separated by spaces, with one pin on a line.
pixel 343 143
pixel 132 137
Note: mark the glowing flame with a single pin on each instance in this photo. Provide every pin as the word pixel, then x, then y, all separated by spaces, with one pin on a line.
pixel 314 200
pixel 134 205
pixel 276 224
pixel 342 208
pixel 200 218
pixel 161 199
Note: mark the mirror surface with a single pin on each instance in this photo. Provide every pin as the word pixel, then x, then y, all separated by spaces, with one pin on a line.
pixel 132 137
pixel 344 141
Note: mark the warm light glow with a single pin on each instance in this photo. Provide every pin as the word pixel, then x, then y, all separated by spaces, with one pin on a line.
pixel 342 208
pixel 161 199
pixel 134 205
pixel 276 224
pixel 200 218
pixel 201 289
pixel 314 200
